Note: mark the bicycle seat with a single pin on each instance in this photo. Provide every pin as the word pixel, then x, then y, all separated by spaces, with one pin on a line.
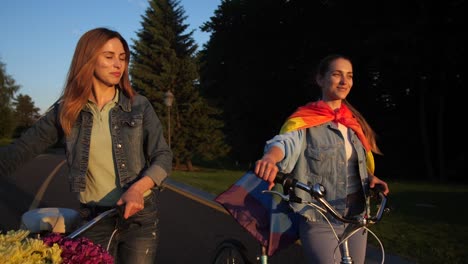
pixel 50 219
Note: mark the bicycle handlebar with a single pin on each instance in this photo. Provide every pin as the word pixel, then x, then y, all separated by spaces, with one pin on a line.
pixel 116 210
pixel 317 191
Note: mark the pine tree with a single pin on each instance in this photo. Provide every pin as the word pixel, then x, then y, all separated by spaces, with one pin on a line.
pixel 26 113
pixel 164 59
pixel 8 88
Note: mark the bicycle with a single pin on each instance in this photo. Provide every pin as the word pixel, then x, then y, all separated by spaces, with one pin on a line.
pixel 43 221
pixel 230 252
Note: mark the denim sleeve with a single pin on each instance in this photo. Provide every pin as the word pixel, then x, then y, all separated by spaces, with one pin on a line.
pixel 159 155
pixel 290 143
pixel 43 134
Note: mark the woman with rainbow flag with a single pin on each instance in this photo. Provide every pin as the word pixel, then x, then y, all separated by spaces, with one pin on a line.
pixel 328 142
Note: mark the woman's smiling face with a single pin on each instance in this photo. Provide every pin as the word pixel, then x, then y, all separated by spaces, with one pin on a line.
pixel 110 63
pixel 336 83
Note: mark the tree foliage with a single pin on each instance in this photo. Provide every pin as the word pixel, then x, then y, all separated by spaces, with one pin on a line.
pixel 26 113
pixel 8 88
pixel 407 55
pixel 163 59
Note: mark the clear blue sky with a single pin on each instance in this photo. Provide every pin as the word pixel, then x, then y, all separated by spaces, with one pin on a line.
pixel 38 37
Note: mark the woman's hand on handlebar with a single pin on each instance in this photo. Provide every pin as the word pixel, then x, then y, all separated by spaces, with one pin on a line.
pixel 133 198
pixel 133 202
pixel 266 169
pixel 374 180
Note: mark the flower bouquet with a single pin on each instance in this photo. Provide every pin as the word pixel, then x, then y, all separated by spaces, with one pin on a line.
pixel 17 248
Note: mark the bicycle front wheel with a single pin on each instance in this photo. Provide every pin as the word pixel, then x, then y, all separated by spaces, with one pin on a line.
pixel 230 252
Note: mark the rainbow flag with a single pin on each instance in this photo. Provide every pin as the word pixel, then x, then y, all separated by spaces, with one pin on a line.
pixel 267 218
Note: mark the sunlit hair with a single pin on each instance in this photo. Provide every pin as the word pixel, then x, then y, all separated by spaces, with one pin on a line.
pixel 79 83
pixel 322 68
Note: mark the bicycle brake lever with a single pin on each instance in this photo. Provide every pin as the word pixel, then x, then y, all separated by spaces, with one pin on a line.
pixel 283 196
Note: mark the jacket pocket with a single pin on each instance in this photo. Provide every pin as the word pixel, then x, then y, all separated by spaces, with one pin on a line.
pixel 132 121
pixel 322 161
pixel 132 136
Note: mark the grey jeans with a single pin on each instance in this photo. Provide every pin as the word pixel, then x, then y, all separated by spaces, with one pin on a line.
pixel 133 240
pixel 319 243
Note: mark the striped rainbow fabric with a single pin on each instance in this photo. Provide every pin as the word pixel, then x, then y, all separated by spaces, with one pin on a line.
pixel 264 216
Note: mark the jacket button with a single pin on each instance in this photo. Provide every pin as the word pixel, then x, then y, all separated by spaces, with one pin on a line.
pixel 115 127
pixel 123 165
pixel 132 123
pixel 119 146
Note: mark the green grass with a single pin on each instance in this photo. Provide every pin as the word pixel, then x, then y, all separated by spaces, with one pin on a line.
pixel 5 141
pixel 209 180
pixel 426 223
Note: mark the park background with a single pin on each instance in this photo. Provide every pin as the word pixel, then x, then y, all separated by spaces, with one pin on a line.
pixel 233 93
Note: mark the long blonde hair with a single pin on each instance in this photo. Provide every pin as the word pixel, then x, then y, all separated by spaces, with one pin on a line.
pixel 78 86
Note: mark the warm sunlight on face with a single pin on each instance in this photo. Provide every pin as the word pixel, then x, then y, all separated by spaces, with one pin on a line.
pixel 337 81
pixel 110 64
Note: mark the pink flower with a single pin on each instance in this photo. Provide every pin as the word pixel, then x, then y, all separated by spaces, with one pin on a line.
pixel 79 250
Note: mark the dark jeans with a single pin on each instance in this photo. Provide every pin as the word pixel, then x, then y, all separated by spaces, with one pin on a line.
pixel 135 239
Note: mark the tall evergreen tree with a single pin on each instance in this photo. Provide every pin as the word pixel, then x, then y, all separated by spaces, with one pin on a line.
pixel 8 88
pixel 164 59
pixel 26 113
pixel 253 67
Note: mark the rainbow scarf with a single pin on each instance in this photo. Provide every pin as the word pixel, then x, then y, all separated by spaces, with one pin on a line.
pixel 317 113
pixel 269 219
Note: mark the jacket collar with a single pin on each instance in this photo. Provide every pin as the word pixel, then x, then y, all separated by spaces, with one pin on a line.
pixel 124 101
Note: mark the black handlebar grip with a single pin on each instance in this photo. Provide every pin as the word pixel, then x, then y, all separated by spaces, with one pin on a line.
pixel 378 188
pixel 280 177
pixel 286 180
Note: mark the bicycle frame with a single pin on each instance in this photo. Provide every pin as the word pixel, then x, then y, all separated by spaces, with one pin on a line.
pixel 317 191
pixel 230 253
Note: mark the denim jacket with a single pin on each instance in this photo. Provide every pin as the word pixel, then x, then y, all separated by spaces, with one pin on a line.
pixel 317 155
pixel 139 147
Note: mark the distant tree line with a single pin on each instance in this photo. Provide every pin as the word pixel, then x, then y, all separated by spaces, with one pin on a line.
pixel 257 67
pixel 17 111
pixel 407 58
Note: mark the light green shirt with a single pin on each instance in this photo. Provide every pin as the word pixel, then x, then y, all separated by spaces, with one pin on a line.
pixel 102 187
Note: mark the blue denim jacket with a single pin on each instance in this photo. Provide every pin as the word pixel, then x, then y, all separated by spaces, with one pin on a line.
pixel 317 155
pixel 137 136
